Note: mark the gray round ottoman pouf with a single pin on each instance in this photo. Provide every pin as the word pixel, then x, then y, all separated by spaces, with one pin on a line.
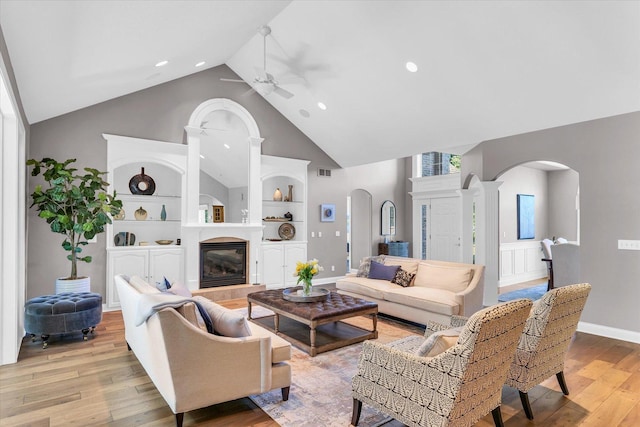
pixel 61 313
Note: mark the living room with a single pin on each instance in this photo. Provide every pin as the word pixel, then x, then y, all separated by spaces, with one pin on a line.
pixel 608 196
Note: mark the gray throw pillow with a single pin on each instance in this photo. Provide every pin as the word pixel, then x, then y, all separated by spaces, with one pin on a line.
pixel 383 272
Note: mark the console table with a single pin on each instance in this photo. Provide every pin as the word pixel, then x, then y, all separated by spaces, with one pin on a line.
pixel 394 249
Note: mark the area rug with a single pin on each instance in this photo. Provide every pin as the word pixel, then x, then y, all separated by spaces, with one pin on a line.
pixel 534 293
pixel 321 386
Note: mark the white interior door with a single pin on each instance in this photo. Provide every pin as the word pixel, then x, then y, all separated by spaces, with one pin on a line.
pixel 443 229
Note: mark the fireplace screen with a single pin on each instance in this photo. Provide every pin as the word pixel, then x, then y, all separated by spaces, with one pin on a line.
pixel 223 264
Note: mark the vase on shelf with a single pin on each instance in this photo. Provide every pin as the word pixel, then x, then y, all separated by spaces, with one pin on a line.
pixel 140 214
pixel 163 214
pixel 290 195
pixel 277 195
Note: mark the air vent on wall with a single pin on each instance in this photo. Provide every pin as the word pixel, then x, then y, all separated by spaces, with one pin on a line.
pixel 324 172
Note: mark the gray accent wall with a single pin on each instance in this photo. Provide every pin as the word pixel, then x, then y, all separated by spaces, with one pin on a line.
pixel 383 180
pixel 603 152
pixel 563 214
pixel 159 113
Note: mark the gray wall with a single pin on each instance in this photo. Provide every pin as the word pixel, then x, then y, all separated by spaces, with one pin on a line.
pixel 602 152
pixel 159 112
pixel 384 180
pixel 563 217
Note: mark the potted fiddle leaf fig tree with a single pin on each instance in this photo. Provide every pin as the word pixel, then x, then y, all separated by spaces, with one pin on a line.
pixel 75 205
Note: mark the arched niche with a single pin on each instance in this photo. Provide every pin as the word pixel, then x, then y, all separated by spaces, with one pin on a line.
pixel 224 144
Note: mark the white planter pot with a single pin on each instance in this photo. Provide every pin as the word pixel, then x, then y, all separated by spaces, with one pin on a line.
pixel 82 284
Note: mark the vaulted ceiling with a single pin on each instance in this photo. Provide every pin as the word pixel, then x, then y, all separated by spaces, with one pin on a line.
pixel 486 69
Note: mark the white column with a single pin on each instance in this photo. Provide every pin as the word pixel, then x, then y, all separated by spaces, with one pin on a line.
pixel 191 200
pixel 466 228
pixel 487 238
pixel 255 184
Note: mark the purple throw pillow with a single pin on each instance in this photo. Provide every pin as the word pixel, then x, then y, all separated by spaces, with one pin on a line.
pixel 382 272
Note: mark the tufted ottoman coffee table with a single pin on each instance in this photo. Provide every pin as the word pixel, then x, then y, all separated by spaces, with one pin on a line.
pixel 62 313
pixel 324 331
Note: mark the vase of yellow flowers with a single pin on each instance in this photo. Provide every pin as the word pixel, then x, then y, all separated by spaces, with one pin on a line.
pixel 305 272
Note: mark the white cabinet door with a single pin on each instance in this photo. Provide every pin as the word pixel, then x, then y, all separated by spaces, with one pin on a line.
pixel 131 263
pixel 272 262
pixel 293 254
pixel 165 263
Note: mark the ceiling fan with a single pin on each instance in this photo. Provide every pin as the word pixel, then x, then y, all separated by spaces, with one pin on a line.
pixel 264 82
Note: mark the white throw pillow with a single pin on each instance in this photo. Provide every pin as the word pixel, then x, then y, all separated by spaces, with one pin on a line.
pixel 227 323
pixel 454 279
pixel 438 342
pixel 177 288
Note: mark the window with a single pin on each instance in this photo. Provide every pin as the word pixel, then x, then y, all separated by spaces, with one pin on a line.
pixel 435 163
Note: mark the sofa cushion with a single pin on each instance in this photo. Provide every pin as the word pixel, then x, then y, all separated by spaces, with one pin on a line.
pixel 409 265
pixel 365 265
pixel 430 299
pixel 454 279
pixel 364 286
pixel 226 322
pixel 382 272
pixel 141 285
pixel 403 278
pixel 280 349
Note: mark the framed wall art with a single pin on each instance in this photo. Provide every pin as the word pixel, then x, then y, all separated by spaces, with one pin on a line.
pixel 327 212
pixel 526 217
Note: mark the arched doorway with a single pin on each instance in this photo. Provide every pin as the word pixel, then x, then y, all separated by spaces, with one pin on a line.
pixel 553 189
pixel 481 204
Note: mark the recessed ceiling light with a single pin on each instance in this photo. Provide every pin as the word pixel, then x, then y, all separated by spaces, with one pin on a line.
pixel 201 156
pixel 162 63
pixel 411 66
pixel 200 64
pixel 227 146
pixel 322 106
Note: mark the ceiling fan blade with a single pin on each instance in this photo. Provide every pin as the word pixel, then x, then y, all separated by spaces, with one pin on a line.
pixel 282 92
pixel 232 80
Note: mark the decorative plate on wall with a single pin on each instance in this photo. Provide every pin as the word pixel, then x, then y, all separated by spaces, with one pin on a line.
pixel 287 231
pixel 142 184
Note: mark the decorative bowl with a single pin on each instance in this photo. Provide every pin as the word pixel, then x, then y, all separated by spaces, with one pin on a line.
pixel 164 242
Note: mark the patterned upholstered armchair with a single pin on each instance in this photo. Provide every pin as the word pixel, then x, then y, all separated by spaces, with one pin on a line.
pixel 456 387
pixel 545 340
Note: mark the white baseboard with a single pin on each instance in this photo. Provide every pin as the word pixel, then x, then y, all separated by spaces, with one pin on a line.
pixel 609 332
pixel 525 277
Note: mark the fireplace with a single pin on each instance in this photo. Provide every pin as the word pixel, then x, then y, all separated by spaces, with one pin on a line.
pixel 223 263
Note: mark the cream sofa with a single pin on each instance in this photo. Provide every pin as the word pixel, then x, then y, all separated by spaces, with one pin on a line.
pixel 192 368
pixel 438 290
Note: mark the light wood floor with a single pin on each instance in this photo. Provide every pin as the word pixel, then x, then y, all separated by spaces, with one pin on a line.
pixel 99 382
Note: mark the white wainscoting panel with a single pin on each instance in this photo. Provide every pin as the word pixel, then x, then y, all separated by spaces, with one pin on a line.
pixel 521 262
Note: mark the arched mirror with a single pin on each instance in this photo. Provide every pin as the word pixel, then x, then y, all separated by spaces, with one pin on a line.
pixel 388 219
pixel 224 164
